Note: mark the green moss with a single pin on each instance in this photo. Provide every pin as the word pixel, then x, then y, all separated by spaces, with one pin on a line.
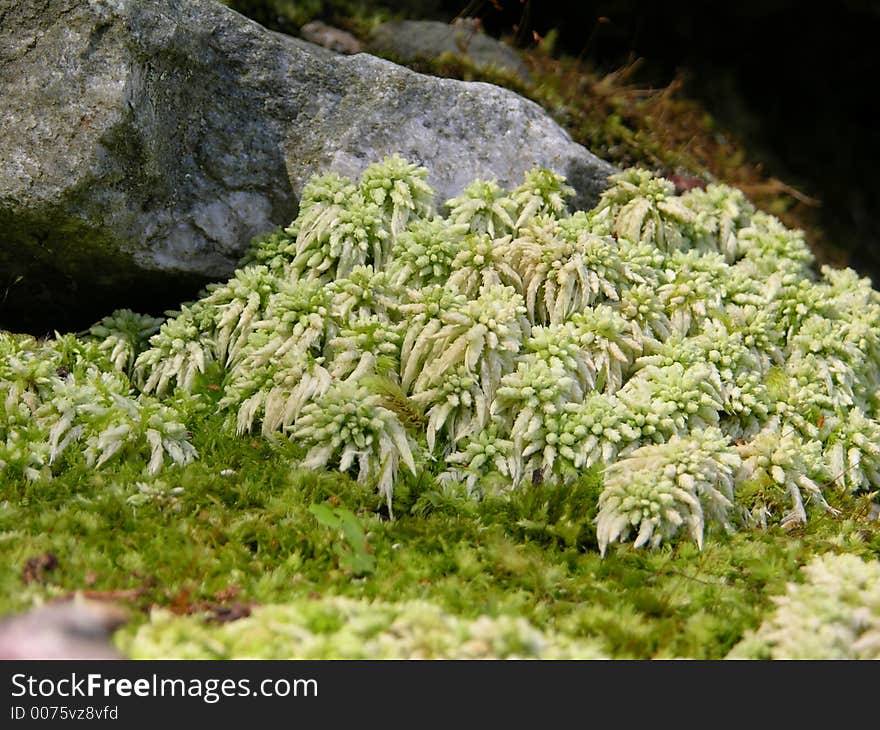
pixel 250 537
pixel 833 614
pixel 333 627
pixel 288 16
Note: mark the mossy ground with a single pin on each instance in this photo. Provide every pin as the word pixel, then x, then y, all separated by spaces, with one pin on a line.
pixel 243 532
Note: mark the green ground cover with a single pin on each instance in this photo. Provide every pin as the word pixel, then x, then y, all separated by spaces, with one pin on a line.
pixel 193 473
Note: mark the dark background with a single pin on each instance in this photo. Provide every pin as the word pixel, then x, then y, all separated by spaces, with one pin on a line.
pixel 797 81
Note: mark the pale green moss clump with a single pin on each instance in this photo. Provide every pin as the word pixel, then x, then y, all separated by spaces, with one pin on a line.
pixel 72 396
pixel 833 614
pixel 683 342
pixel 345 628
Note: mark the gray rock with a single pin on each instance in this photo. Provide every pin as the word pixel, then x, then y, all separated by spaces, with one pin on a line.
pixel 75 629
pixel 336 39
pixel 413 40
pixel 143 143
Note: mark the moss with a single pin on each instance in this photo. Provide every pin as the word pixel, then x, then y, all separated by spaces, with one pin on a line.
pixel 331 627
pixel 249 537
pixel 833 614
pixel 246 525
pixel 288 16
pixel 661 129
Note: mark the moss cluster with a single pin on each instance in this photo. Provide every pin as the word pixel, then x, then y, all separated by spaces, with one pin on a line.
pixel 834 614
pixel 343 627
pixel 512 341
pixel 472 374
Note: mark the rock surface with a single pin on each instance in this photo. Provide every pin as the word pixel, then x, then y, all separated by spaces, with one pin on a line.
pixel 335 39
pixel 143 143
pixel 411 40
pixel 75 629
